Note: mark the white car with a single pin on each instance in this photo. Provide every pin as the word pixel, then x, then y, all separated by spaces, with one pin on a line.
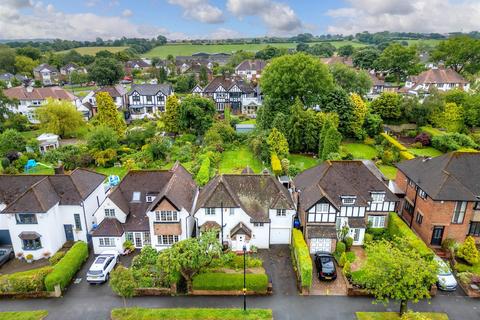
pixel 100 269
pixel 445 279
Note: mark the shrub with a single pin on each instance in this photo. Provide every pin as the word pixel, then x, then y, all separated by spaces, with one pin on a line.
pixel 27 281
pixel 67 267
pixel 423 138
pixel 367 238
pixel 416 145
pixel 465 277
pixel 147 256
pixel 347 269
pixel 377 233
pixel 468 251
pixel 230 281
pixel 276 164
pixel 340 248
pixel 452 141
pixel 398 228
pixel 342 260
pixel 394 142
pixel 56 257
pixel 302 258
pixel 348 242
pixel 405 155
pixel 204 173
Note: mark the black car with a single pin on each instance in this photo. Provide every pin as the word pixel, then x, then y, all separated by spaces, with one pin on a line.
pixel 325 264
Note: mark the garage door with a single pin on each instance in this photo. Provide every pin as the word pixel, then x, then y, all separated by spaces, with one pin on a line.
pixel 320 244
pixel 5 237
pixel 280 236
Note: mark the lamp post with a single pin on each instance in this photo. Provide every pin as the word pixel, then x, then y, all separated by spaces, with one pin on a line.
pixel 244 278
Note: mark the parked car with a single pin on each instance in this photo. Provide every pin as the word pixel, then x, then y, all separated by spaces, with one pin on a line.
pixel 445 279
pixel 100 269
pixel 6 254
pixel 325 264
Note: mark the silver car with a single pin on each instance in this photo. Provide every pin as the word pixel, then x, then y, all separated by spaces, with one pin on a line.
pixel 6 254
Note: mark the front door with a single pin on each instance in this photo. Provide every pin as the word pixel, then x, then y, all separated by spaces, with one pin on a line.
pixel 68 232
pixel 437 236
pixel 138 239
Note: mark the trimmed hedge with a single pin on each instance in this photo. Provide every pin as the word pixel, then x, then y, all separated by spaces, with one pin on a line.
pixel 405 155
pixel 394 142
pixel 230 282
pixel 24 282
pixel 303 260
pixel 57 257
pixel 67 267
pixel 396 227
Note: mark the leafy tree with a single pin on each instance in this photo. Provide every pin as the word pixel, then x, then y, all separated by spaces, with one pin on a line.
pixel 351 80
pixel 159 147
pixel 203 76
pixel 397 273
pixel 24 65
pixel 399 60
pixel 345 51
pixel 276 164
pixel 325 49
pixel 468 251
pixel 414 111
pixel 7 59
pixel 302 47
pixel 31 52
pixel 451 118
pixel 278 143
pixel 5 102
pixel 105 71
pixel 270 52
pixel 103 138
pixel 107 113
pixel 196 114
pixel 191 256
pixel 78 78
pixel 185 83
pixel 11 140
pixel 123 283
pixel 280 122
pixel 171 116
pixel 338 101
pixel 331 143
pixel 461 53
pixel 240 56
pixel 387 106
pixel 60 117
pixel 360 110
pixel 365 58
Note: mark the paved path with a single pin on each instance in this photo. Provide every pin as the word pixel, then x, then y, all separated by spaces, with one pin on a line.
pixel 84 302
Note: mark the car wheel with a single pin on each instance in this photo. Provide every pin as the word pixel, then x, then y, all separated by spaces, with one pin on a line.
pixel 107 277
pixel 12 255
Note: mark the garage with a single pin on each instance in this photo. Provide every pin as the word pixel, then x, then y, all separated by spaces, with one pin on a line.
pixel 320 244
pixel 5 237
pixel 280 235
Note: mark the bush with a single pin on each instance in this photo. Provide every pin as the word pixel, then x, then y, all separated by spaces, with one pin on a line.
pixel 342 260
pixel 452 141
pixel 56 257
pixel 203 175
pixel 416 145
pixel 377 233
pixel 147 257
pixel 348 242
pixel 302 257
pixel 367 238
pixel 423 138
pixel 276 164
pixel 67 267
pixel 465 277
pixel 340 247
pixel 398 228
pixel 397 145
pixel 347 269
pixel 23 282
pixel 230 281
pixel 468 251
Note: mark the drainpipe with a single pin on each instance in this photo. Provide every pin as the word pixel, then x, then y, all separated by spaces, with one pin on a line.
pixel 221 223
pixel 85 219
pixel 414 205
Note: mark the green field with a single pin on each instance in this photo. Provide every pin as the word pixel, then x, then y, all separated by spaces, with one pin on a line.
pixel 186 49
pixel 234 161
pixel 93 50
pixel 430 42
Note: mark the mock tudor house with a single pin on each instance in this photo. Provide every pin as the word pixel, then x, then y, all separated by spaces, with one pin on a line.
pixel 443 79
pixel 250 69
pixel 46 74
pixel 39 213
pixel 336 194
pixel 442 196
pixel 226 92
pixel 117 92
pixel 150 207
pixel 247 209
pixel 138 64
pixel 146 100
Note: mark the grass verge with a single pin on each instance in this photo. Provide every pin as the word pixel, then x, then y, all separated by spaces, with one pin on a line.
pixel 24 315
pixel 395 316
pixel 190 314
pixel 425 152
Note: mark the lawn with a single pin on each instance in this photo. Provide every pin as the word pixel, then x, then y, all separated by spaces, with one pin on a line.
pixel 249 121
pixel 93 50
pixel 360 150
pixel 425 152
pixel 117 171
pixel 190 314
pixel 24 315
pixel 186 49
pixel 39 169
pixel 31 134
pixel 235 160
pixel 303 162
pixel 388 171
pixel 432 131
pixel 395 316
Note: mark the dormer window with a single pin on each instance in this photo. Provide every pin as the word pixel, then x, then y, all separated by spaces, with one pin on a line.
pixel 110 213
pixel 348 200
pixel 136 196
pixel 378 197
pixel 150 197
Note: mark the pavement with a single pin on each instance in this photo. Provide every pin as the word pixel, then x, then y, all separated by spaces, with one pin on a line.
pixel 85 302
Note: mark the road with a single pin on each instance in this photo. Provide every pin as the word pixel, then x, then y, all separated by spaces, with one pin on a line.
pixel 85 302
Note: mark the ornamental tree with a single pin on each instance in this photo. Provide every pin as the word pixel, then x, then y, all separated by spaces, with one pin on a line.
pixel 171 116
pixel 468 251
pixel 351 80
pixel 337 100
pixel 387 106
pixel 196 114
pixel 123 283
pixel 278 143
pixel 60 117
pixel 331 143
pixel 397 272
pixel 360 110
pixel 108 114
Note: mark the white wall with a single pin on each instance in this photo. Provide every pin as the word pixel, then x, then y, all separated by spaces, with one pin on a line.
pixel 183 217
pixel 97 249
pixel 99 214
pixel 280 222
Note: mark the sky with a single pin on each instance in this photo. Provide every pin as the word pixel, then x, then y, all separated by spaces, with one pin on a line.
pixel 220 19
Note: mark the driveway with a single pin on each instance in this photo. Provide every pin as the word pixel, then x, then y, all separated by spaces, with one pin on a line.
pixel 336 287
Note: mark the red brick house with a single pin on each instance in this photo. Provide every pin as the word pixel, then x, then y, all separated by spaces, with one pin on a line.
pixel 442 196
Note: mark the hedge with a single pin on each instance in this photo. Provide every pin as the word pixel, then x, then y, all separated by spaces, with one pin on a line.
pixel 303 260
pixel 190 314
pixel 396 227
pixel 405 155
pixel 394 142
pixel 24 282
pixel 230 281
pixel 67 267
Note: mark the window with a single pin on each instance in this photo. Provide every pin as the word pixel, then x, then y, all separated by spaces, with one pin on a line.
pixel 149 99
pixel 149 109
pixel 107 242
pixel 160 98
pixel 356 235
pixel 476 206
pixel 232 211
pixel 136 196
pixel 33 244
pixel 377 221
pixel 149 198
pixel 129 236
pixel 110 213
pixel 258 224
pixel 348 200
pixel 146 238
pixel 378 197
pixel 167 239
pixel 322 207
pixel 136 98
pixel 209 211
pixel 422 194
pixel 419 218
pixel 459 212
pixel 26 218
pixel 166 215
pixel 408 207
pixel 474 229
pixel 281 212
pixel 78 223
pixel 410 183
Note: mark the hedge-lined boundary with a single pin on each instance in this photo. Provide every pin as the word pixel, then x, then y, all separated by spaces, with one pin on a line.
pixel 404 154
pixel 190 314
pixel 24 282
pixel 302 258
pixel 396 227
pixel 230 282
pixel 67 267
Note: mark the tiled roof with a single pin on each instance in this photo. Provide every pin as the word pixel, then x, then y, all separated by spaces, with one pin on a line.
pixel 227 83
pixel 45 66
pixel 256 64
pixel 109 227
pixel 337 59
pixel 113 91
pixel 440 75
pixel 21 93
pixel 151 89
pixel 322 231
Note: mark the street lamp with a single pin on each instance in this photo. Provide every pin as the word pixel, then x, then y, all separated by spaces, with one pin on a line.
pixel 244 278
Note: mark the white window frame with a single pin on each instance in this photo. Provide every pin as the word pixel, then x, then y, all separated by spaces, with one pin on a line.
pixel 110 212
pixel 166 216
pixel 149 198
pixel 348 201
pixel 320 208
pixel 210 211
pixel 376 221
pixel 136 196
pixel 106 242
pixel 167 239
pixel 258 224
pixel 422 194
pixel 459 212
pixel 378 197
pixel 281 212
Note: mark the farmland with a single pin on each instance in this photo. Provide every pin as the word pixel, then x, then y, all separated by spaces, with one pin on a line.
pixel 93 50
